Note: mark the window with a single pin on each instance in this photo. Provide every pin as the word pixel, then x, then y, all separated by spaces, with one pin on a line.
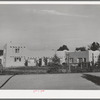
pixel 15 50
pixel 80 60
pixel 84 59
pixel 17 59
pixel 71 60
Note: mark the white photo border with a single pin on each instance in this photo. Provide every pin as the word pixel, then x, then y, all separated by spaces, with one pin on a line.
pixel 51 94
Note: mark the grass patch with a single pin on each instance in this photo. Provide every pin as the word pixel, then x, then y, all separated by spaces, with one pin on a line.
pixel 32 70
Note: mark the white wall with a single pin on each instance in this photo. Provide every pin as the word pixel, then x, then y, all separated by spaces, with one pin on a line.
pixel 66 55
pixel 88 55
pixel 10 54
pixel 1 58
pixel 31 62
pixel 79 54
pixel 24 54
pixel 93 55
pixel 61 55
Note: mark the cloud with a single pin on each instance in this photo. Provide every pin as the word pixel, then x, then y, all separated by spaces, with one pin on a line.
pixel 54 12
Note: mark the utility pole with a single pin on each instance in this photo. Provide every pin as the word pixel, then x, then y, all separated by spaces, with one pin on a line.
pixel 92 59
pixel 68 56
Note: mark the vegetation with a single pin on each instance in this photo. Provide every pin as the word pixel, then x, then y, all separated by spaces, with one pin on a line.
pixel 94 46
pixel 81 49
pixel 36 61
pixel 45 59
pixel 56 60
pixel 64 47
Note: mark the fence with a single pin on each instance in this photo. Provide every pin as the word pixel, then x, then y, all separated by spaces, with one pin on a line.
pixel 84 67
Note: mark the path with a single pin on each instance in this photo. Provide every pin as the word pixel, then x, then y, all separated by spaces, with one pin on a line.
pixel 51 81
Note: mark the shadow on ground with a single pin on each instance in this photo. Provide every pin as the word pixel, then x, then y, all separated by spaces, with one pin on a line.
pixel 92 78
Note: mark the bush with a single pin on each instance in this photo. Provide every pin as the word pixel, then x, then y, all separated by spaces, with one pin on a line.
pixel 53 70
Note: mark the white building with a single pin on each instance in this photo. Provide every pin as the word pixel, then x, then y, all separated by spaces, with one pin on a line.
pixel 62 55
pixel 78 56
pixel 16 55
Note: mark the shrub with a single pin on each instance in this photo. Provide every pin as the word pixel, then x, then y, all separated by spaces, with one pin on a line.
pixel 56 59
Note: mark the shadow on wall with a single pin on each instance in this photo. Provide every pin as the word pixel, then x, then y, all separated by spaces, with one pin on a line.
pixel 92 78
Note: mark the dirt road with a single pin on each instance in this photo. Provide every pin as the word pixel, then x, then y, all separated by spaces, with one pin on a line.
pixel 53 81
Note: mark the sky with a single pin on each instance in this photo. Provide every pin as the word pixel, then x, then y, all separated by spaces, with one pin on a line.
pixel 47 27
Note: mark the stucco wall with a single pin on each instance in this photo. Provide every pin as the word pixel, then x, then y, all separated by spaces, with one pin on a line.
pixel 62 55
pixel 93 55
pixel 66 55
pixel 24 54
pixel 10 55
pixel 89 55
pixel 76 55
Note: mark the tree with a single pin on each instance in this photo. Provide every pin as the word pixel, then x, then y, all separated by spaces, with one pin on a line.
pixel 36 61
pixel 45 59
pixel 64 47
pixel 81 49
pixel 94 46
pixel 26 62
pixel 56 59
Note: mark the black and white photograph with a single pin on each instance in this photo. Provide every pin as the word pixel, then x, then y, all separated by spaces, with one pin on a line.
pixel 49 47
